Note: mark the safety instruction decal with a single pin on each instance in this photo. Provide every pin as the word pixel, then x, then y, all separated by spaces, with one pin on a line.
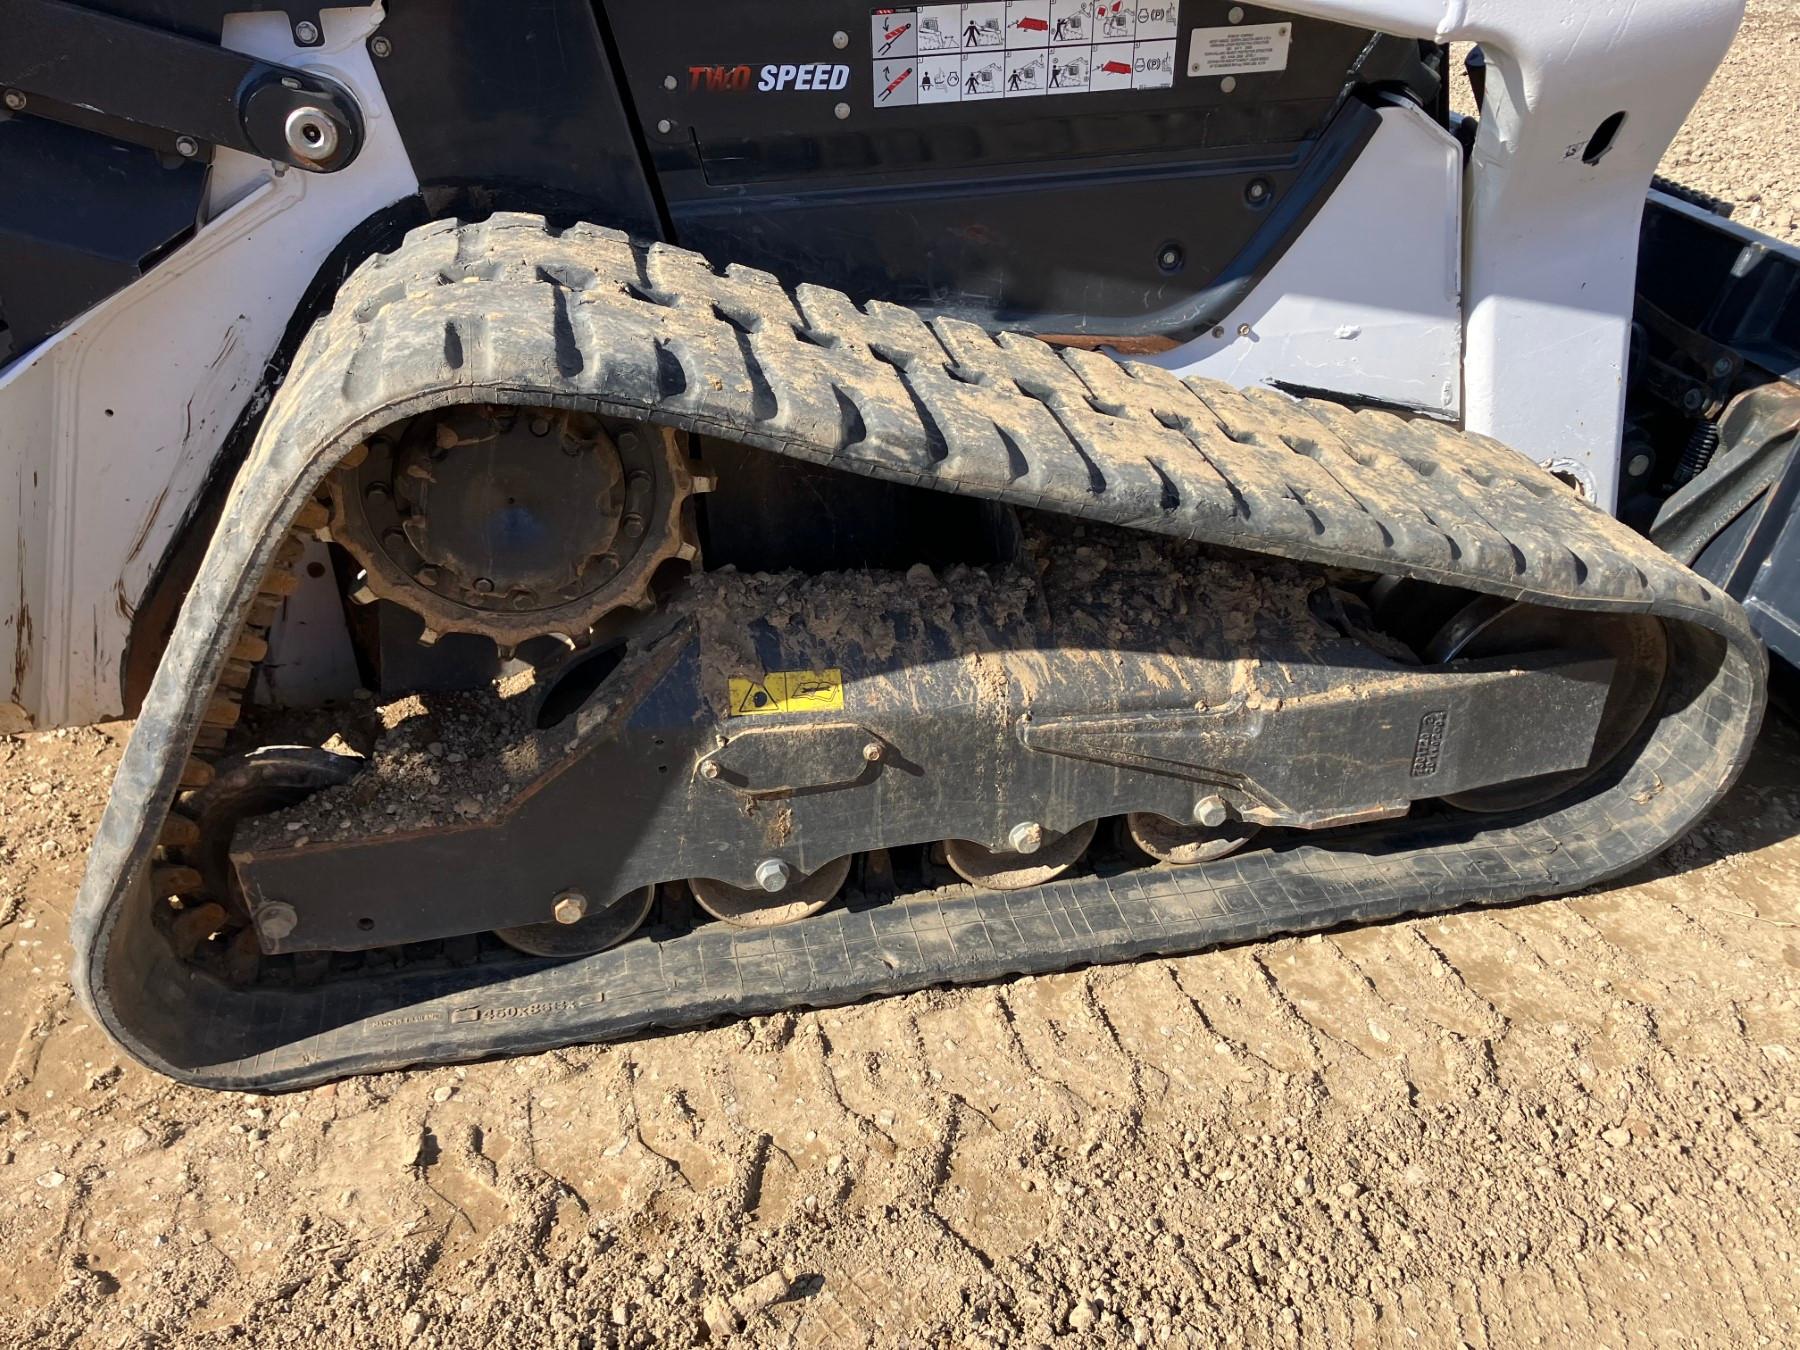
pixel 1250 50
pixel 788 691
pixel 1021 49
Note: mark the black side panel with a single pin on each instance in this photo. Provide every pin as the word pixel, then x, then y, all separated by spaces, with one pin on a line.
pixel 514 106
pixel 1130 197
pixel 98 213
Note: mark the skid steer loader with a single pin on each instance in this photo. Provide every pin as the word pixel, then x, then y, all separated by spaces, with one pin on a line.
pixel 614 516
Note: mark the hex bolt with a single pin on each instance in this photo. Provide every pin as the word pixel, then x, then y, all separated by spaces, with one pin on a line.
pixel 277 920
pixel 427 575
pixel 840 39
pixel 1026 837
pixel 1228 85
pixel 1258 192
pixel 483 586
pixel 1170 258
pixel 632 526
pixel 710 770
pixel 381 47
pixel 670 82
pixel 628 440
pixel 376 492
pixel 1693 400
pixel 570 907
pixel 540 426
pixel 1722 366
pixel 1236 15
pixel 873 752
pixel 843 112
pixel 1211 812
pixel 187 147
pixel 773 875
pixel 306 33
pixel 1639 466
pixel 665 126
pixel 16 100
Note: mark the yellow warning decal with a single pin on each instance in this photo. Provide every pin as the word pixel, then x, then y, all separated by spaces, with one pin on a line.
pixel 788 691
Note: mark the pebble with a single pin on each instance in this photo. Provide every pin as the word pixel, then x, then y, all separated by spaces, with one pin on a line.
pixel 1083 1316
pixel 51 1180
pixel 1618 1138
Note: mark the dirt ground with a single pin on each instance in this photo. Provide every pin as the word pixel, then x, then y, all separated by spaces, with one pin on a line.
pixel 1574 1123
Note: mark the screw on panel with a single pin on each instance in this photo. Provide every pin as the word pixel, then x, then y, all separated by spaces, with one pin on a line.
pixel 1211 812
pixel 1026 837
pixel 709 770
pixel 306 33
pixel 670 82
pixel 773 875
pixel 873 752
pixel 665 126
pixel 16 100
pixel 843 112
pixel 381 47
pixel 186 146
pixel 1258 191
pixel 1228 85
pixel 277 920
pixel 1723 366
pixel 840 39
pixel 570 907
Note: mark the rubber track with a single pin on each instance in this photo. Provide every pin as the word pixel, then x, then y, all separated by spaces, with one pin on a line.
pixel 511 311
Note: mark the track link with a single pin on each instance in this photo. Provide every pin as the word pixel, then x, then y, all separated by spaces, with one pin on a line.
pixel 511 311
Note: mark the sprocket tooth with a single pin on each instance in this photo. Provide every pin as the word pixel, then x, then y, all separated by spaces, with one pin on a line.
pixel 179 832
pixel 173 879
pixel 194 926
pixel 313 517
pixel 197 773
pixel 279 583
pixel 249 647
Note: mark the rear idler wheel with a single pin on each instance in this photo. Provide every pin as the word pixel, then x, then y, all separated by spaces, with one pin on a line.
pixel 797 897
pixel 582 933
pixel 1186 845
pixel 1637 643
pixel 997 870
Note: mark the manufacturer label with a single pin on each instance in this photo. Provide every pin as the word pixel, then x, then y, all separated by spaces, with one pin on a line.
pixel 1021 49
pixel 1250 50
pixel 788 691
pixel 1430 749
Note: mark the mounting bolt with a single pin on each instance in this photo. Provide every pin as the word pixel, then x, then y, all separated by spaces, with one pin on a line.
pixel 873 752
pixel 186 146
pixel 1639 466
pixel 16 100
pixel 773 875
pixel 1722 367
pixel 632 526
pixel 483 586
pixel 311 135
pixel 306 33
pixel 670 82
pixel 665 126
pixel 843 112
pixel 1026 837
pixel 540 426
pixel 1236 15
pixel 710 769
pixel 1258 191
pixel 570 907
pixel 1228 85
pixel 840 39
pixel 277 920
pixel 1693 400
pixel 427 575
pixel 381 47
pixel 1211 812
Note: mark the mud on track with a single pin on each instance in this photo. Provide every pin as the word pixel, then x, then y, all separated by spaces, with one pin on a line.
pixel 1568 1124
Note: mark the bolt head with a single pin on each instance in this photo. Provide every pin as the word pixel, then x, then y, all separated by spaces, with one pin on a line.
pixel 632 526
pixel 1026 837
pixel 840 39
pixel 306 32
pixel 1228 84
pixel 873 752
pixel 1722 366
pixel 540 426
pixel 773 875
pixel 187 147
pixel 1236 15
pixel 427 575
pixel 665 126
pixel 483 585
pixel 570 907
pixel 670 82
pixel 710 769
pixel 1211 812
pixel 15 100
pixel 382 47
pixel 842 112
pixel 1639 466
pixel 277 920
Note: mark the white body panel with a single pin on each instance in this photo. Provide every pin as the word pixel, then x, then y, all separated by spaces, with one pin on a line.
pixel 109 431
pixel 1368 302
